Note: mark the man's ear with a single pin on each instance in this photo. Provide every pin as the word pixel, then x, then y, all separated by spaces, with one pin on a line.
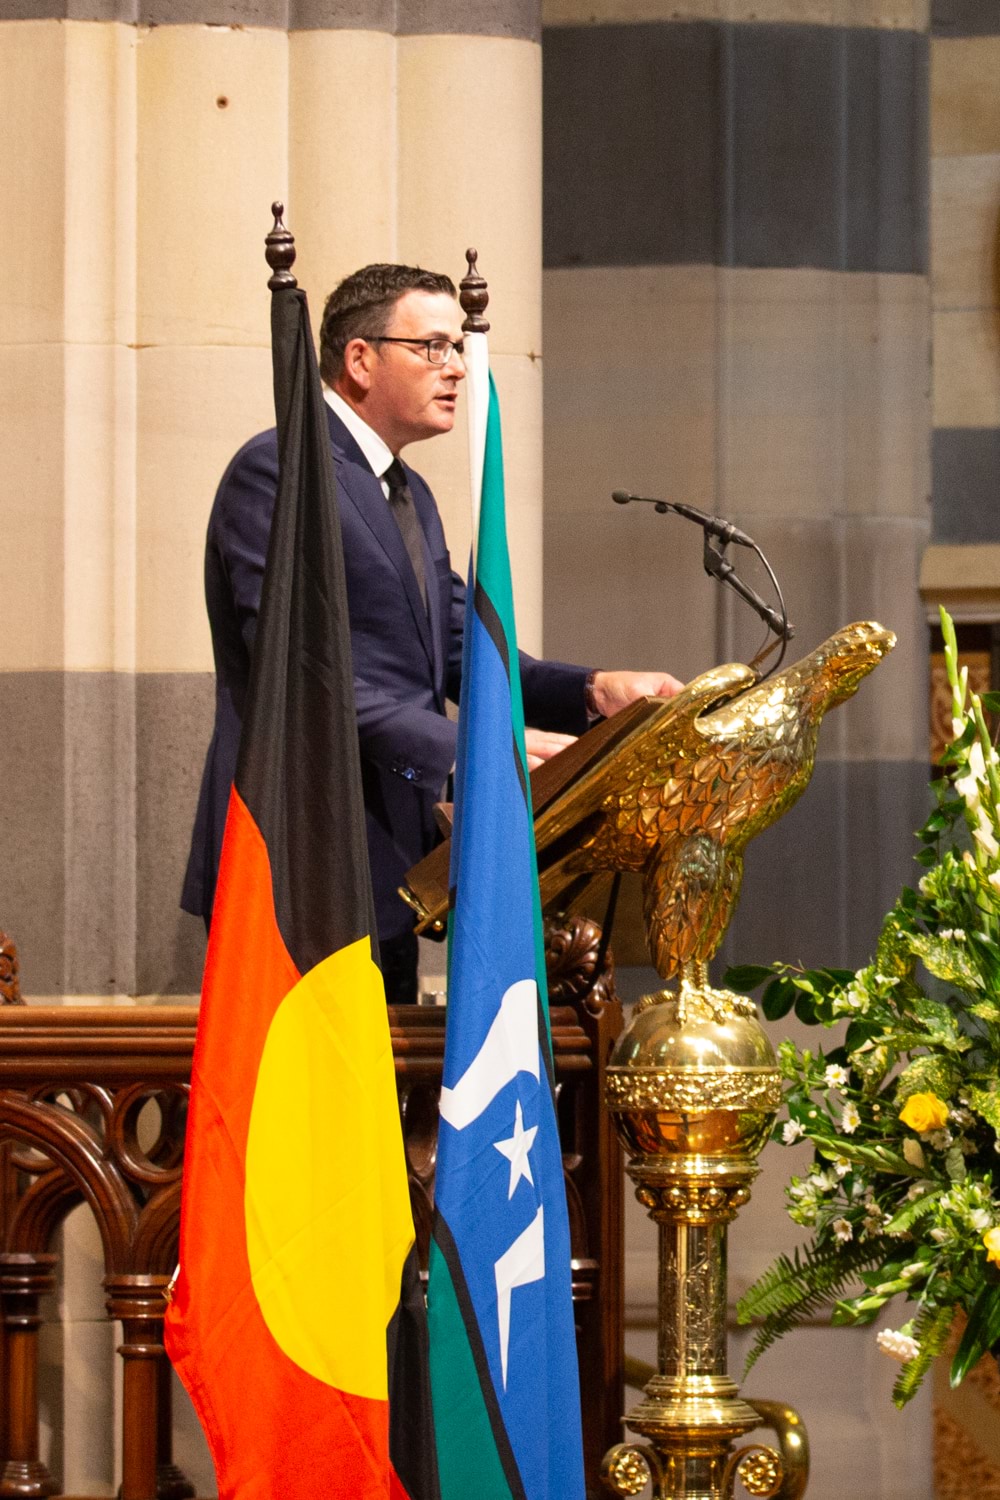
pixel 359 356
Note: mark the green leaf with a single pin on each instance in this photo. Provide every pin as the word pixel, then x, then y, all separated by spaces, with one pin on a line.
pixel 930 1329
pixel 881 1157
pixel 746 977
pixel 777 999
pixel 986 1010
pixel 991 702
pixel 954 1164
pixel 986 1103
pixel 981 1332
pixel 805 1008
pixel 930 1074
pixel 790 1290
pixel 947 960
pixel 911 1211
pixel 940 1027
pixel 872 1063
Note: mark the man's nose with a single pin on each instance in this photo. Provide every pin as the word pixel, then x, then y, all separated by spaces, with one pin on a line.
pixel 455 368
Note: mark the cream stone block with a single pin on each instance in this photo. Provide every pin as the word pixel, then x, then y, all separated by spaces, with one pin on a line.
pixel 100 493
pixel 885 394
pixel 342 155
pixel 967 368
pixel 965 100
pixel 627 589
pixel 33 130
pixel 32 465
pixel 195 407
pixel 470 170
pixel 630 385
pixel 966 579
pixel 88 1435
pixel 81 1294
pixel 965 222
pixel 101 149
pixel 213 133
pixel 190 1448
pixel 823 392
pixel 907 14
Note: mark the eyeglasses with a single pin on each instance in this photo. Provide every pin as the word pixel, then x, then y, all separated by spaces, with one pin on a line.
pixel 437 351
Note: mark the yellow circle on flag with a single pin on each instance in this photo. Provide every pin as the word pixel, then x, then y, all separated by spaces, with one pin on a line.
pixel 326 1202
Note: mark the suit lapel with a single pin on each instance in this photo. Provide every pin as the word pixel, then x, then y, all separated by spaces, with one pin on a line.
pixel 360 488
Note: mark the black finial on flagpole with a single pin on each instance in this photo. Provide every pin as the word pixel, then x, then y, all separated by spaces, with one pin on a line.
pixel 473 296
pixel 279 251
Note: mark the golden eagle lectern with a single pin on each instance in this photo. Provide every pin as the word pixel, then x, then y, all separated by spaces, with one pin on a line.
pixel 683 795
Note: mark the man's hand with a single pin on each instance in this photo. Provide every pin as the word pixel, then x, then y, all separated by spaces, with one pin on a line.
pixel 541 744
pixel 615 690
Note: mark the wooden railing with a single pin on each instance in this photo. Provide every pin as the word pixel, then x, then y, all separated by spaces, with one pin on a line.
pixel 92 1109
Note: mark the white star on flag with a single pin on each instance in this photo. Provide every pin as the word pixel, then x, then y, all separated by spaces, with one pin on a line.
pixel 516 1151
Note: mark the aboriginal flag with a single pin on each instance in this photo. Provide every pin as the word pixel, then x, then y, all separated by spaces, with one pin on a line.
pixel 288 1325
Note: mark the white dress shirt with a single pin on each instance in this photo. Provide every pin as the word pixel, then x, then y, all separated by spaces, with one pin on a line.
pixel 379 456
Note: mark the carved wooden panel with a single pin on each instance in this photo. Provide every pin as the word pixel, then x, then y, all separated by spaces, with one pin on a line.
pixel 93 1109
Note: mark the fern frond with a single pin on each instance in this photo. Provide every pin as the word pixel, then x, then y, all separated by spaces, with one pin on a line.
pixel 930 1329
pixel 792 1289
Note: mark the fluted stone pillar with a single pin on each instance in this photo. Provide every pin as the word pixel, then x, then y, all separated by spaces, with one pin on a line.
pixel 145 144
pixel 738 315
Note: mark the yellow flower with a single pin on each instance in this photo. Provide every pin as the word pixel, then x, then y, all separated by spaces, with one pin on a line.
pixel 991 1239
pixel 924 1112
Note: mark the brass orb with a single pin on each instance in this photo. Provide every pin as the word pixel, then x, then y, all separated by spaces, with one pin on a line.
pixel 693 1080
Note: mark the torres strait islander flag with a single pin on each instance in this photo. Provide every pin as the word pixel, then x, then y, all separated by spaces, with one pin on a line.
pixel 288 1325
pixel 504 1371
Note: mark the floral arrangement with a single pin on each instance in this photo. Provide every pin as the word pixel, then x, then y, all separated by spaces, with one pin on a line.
pixel 903 1199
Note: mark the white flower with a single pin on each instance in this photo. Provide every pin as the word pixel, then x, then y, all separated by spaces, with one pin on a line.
pixel 952 935
pixel 897 1345
pixel 914 1155
pixel 791 1131
pixel 968 786
pixel 983 835
pixel 940 1236
pixel 994 880
pixel 853 998
pixel 843 1229
pixel 849 1119
pixel 835 1076
pixel 841 1166
pixel 980 1220
pixel 913 1270
pixel 823 1182
pixel 938 1140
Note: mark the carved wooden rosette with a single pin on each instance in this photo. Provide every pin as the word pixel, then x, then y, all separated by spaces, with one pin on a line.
pixel 93 1110
pixel 10 985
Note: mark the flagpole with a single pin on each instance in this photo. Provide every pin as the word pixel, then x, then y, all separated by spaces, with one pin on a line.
pixel 474 299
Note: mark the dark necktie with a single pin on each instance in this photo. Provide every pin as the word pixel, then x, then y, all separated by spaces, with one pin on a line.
pixel 405 512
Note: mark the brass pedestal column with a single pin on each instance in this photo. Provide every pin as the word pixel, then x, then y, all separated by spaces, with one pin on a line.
pixel 694 1090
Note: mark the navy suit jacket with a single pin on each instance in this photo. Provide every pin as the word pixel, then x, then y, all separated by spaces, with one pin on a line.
pixel 407 661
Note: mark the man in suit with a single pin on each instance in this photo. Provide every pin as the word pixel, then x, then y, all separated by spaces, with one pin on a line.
pixel 391 361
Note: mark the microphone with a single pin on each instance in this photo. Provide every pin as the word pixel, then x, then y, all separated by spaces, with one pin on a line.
pixel 725 531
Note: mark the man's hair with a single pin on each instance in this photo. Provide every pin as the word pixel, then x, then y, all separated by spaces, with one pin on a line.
pixel 362 306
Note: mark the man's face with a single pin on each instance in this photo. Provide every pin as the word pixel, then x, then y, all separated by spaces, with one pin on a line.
pixel 408 398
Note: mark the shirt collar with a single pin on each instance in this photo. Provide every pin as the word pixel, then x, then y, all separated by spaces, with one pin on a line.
pixel 378 455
